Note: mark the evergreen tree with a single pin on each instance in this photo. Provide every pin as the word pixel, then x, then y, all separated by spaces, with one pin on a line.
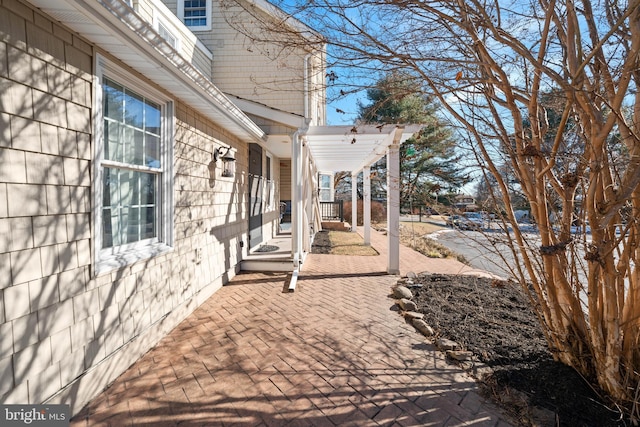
pixel 429 163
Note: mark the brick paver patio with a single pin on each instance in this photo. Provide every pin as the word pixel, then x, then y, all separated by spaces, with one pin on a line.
pixel 333 353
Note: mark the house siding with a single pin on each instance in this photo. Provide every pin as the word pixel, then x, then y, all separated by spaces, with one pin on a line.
pixel 65 333
pixel 249 70
pixel 262 71
pixel 285 179
pixel 46 322
pixel 188 45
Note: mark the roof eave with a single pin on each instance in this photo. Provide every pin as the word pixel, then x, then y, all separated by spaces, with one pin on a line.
pixel 113 22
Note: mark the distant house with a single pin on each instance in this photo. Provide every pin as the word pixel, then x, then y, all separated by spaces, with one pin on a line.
pixel 464 202
pixel 141 162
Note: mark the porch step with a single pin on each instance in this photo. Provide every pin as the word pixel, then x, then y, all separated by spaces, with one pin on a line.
pixel 266 265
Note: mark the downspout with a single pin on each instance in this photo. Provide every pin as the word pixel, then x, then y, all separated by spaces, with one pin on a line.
pixel 306 86
pixel 297 168
pixel 296 204
pixel 296 181
pixel 296 163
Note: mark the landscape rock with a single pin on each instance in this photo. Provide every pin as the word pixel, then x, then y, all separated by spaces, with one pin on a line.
pixel 460 355
pixel 407 305
pixel 481 371
pixel 411 275
pixel 447 344
pixel 422 326
pixel 402 292
pixel 411 315
pixel 439 278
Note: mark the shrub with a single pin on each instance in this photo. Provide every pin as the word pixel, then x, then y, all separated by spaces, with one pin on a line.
pixel 378 212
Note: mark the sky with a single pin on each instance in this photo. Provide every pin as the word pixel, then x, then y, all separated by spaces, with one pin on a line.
pixel 349 105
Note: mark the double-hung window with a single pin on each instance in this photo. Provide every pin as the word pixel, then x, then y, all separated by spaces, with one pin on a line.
pixel 133 167
pixel 325 187
pixel 196 14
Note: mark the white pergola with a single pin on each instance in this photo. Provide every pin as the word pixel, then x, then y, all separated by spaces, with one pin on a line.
pixel 355 149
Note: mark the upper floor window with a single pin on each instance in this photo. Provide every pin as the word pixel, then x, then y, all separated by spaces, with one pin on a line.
pixel 133 179
pixel 196 14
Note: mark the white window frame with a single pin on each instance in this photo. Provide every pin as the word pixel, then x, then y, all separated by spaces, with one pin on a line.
pixel 205 27
pixel 329 188
pixel 108 259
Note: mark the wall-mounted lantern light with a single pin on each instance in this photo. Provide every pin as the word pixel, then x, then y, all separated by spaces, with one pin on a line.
pixel 228 163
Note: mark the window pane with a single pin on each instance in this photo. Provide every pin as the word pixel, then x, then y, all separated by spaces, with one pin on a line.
pixel 137 148
pixel 113 141
pixel 128 206
pixel 194 3
pixel 148 189
pixel 128 144
pixel 152 151
pixel 113 100
pixel 107 234
pixel 196 22
pixel 195 12
pixel 148 222
pixel 133 225
pixel 325 195
pixel 106 183
pixel 133 109
pixel 152 118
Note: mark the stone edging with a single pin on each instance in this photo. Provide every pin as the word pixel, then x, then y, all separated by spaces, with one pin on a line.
pixel 466 359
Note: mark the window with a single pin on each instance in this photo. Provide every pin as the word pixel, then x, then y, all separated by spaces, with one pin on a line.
pixel 326 193
pixel 133 164
pixel 196 14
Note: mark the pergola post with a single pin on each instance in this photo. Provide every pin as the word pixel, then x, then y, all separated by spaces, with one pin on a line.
pixel 296 199
pixel 354 202
pixel 393 208
pixel 366 205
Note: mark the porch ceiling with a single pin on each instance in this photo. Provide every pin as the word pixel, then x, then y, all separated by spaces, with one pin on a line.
pixel 351 148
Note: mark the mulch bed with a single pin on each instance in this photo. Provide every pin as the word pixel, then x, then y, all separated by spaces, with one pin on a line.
pixel 321 243
pixel 493 319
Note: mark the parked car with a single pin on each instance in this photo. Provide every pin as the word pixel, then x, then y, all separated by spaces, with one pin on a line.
pixel 466 221
pixel 452 220
pixel 472 221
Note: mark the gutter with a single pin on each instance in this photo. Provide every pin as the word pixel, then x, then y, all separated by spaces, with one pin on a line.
pixel 200 82
pixel 117 22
